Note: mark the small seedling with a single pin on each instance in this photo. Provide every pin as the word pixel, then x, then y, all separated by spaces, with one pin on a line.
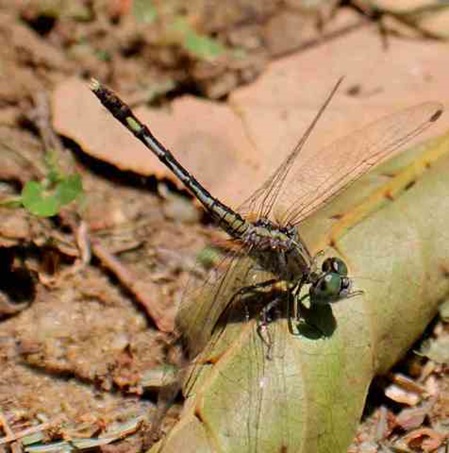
pixel 197 44
pixel 46 198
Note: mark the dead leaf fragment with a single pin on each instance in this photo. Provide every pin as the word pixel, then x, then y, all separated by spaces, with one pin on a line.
pixel 426 439
pixel 401 395
pixel 206 137
pixel 411 418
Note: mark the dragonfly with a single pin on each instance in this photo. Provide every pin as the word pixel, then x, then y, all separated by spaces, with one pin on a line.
pixel 266 226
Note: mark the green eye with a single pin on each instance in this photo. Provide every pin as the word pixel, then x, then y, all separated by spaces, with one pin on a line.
pixel 335 265
pixel 327 289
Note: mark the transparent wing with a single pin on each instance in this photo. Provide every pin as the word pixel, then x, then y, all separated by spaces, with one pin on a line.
pixel 238 389
pixel 318 176
pixel 207 306
pixel 234 296
pixel 263 199
pixel 197 304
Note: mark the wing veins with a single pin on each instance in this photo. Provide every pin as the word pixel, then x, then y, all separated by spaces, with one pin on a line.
pixel 299 209
pixel 270 189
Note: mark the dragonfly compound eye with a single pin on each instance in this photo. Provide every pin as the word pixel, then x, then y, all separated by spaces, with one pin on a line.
pixel 327 288
pixel 336 265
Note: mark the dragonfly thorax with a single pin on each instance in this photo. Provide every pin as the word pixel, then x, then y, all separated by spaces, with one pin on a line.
pixel 265 235
pixel 279 249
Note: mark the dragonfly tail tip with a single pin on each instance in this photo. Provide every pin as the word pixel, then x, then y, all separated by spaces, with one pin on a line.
pixel 436 115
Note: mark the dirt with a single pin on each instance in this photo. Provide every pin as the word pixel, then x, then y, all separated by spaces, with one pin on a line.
pixel 79 334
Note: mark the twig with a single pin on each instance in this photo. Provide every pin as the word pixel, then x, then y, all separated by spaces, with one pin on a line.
pixel 41 116
pixel 11 437
pixel 5 425
pixel 162 317
pixel 15 446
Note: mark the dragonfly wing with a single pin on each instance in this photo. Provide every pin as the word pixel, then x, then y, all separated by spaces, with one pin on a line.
pixel 248 398
pixel 203 303
pixel 317 177
pixel 253 369
pixel 219 300
pixel 261 202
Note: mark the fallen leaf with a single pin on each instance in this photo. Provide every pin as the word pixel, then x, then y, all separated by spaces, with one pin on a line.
pixel 233 147
pixel 426 439
pixel 402 396
pixel 411 418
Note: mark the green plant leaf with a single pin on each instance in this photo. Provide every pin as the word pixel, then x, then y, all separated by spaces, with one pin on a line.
pixel 197 44
pixel 38 201
pixel 202 46
pixel 68 189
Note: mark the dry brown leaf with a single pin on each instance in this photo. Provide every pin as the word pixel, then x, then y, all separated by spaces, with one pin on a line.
pixel 207 137
pixel 233 148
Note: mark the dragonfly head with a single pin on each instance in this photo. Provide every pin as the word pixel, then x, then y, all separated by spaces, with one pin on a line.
pixel 335 265
pixel 332 284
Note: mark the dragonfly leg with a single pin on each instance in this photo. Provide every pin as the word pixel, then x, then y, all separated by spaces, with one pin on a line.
pixel 296 314
pixel 245 291
pixel 262 327
pixel 254 288
pixel 264 315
